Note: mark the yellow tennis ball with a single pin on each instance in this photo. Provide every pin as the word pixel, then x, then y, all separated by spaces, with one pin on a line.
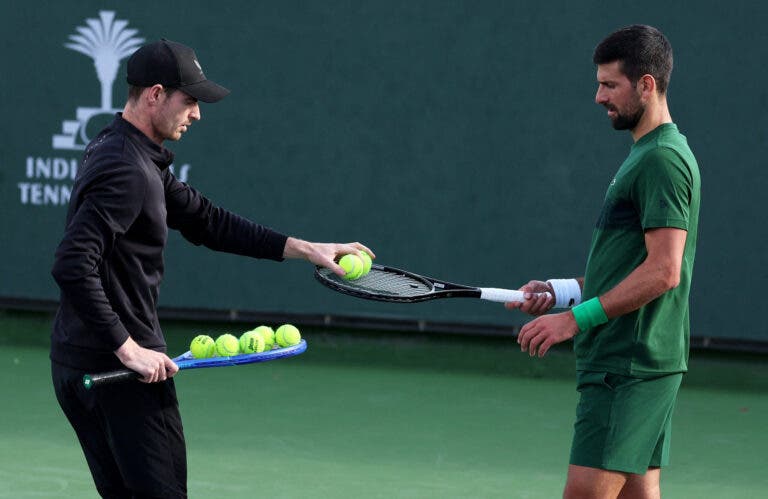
pixel 227 345
pixel 367 262
pixel 251 342
pixel 268 334
pixel 352 265
pixel 287 335
pixel 202 347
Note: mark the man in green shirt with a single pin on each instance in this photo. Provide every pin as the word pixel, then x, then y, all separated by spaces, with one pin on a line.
pixel 629 320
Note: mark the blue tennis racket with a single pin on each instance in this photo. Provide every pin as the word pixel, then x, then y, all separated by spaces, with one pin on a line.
pixel 186 361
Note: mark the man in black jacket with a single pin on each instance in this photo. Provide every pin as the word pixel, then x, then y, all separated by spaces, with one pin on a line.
pixel 109 266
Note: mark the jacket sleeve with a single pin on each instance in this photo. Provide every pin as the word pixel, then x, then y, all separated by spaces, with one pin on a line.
pixel 109 203
pixel 203 223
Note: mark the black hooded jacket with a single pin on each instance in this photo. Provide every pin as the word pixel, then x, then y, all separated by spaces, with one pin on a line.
pixel 109 264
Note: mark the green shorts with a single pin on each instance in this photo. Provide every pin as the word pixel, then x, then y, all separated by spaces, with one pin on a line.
pixel 623 423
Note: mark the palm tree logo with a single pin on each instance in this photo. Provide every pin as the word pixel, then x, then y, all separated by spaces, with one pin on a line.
pixel 107 41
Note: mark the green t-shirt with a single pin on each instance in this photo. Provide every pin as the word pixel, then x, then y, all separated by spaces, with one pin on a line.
pixel 658 185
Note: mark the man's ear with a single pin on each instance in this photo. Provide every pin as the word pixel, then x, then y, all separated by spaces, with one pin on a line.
pixel 153 94
pixel 646 86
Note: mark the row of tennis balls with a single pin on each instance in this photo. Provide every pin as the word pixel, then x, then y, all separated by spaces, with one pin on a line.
pixel 260 339
pixel 356 266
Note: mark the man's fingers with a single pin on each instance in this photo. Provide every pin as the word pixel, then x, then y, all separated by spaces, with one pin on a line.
pixel 353 248
pixel 158 373
pixel 365 248
pixel 531 338
pixel 544 347
pixel 533 345
pixel 157 367
pixel 336 268
pixel 171 368
pixel 534 303
pixel 525 335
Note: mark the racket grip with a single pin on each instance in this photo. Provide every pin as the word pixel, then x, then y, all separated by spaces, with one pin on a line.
pixel 502 295
pixel 108 378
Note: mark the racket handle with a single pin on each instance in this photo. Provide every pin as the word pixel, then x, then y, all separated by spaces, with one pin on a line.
pixel 502 295
pixel 94 380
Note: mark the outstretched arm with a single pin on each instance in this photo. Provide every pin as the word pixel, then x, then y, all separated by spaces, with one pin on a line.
pixel 202 222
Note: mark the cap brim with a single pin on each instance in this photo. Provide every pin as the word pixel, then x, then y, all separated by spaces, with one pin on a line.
pixel 206 91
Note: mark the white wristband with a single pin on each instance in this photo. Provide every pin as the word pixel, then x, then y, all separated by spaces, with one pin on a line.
pixel 567 292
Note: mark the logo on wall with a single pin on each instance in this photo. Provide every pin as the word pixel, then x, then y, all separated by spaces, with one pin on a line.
pixel 47 180
pixel 107 41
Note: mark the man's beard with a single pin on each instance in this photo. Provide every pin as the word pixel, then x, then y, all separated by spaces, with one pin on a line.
pixel 628 121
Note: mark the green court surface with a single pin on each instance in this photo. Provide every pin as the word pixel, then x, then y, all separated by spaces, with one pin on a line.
pixel 383 415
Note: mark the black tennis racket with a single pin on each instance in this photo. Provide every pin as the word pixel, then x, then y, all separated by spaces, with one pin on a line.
pixel 389 284
pixel 187 361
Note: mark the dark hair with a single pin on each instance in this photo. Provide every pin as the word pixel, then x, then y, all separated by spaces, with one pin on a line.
pixel 641 50
pixel 134 92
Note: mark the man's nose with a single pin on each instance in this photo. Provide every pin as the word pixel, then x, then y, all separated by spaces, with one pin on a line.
pixel 194 114
pixel 600 97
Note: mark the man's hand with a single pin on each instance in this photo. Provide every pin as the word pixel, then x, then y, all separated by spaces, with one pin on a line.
pixel 538 336
pixel 153 366
pixel 323 254
pixel 535 304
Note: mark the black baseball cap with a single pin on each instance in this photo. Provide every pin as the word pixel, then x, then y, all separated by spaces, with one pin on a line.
pixel 173 65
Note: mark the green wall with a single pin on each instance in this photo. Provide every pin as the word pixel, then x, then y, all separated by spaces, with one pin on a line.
pixel 457 139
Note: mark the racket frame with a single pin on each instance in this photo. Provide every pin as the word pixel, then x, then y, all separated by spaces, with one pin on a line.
pixel 437 288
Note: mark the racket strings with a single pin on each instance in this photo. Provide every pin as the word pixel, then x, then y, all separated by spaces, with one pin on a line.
pixel 381 282
pixel 395 284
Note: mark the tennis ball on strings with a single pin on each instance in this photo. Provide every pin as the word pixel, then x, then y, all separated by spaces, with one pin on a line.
pixel 268 334
pixel 367 262
pixel 287 335
pixel 227 345
pixel 202 347
pixel 251 342
pixel 352 265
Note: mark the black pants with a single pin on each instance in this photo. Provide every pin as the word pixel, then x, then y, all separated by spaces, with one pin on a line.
pixel 131 435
